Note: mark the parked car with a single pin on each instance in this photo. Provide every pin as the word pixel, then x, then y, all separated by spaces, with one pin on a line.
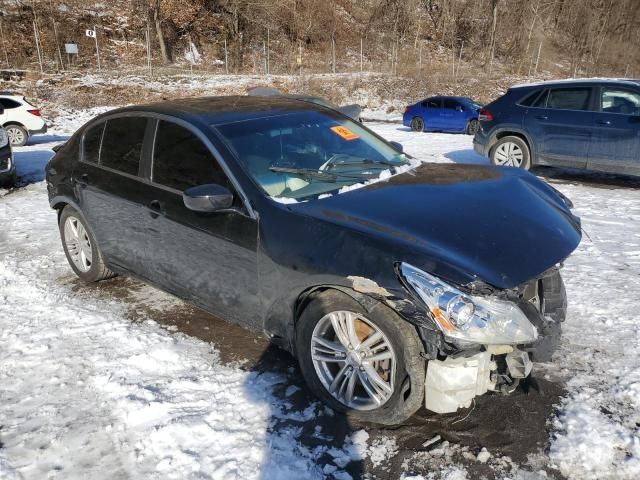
pixel 352 110
pixel 7 165
pixel 436 285
pixel 590 124
pixel 442 114
pixel 20 119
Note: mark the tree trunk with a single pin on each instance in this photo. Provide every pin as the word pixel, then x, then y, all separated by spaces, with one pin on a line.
pixel 166 59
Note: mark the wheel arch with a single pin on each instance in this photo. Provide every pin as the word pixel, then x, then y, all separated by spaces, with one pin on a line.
pixel 514 132
pixel 13 122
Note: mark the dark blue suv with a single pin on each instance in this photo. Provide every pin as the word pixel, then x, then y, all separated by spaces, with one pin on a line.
pixel 592 124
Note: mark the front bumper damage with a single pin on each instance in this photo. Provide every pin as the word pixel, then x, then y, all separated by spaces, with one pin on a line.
pixel 454 382
pixel 457 373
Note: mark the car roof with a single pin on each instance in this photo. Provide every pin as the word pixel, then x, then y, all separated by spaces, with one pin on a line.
pixel 218 110
pixel 582 81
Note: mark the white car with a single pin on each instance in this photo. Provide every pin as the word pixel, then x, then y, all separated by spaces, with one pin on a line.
pixel 20 119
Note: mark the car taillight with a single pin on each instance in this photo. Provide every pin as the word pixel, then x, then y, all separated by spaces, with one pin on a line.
pixel 35 112
pixel 485 115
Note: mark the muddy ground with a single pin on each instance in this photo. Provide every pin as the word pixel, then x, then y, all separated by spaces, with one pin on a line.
pixel 514 426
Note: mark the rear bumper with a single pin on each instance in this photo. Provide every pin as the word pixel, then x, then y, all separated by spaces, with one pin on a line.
pixel 480 142
pixel 39 130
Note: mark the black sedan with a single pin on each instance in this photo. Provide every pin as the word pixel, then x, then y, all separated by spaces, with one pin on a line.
pixel 393 282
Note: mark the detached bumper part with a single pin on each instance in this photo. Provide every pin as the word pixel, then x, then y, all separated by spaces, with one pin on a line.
pixel 453 383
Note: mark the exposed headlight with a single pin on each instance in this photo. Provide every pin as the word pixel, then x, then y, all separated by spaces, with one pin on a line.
pixel 4 139
pixel 469 318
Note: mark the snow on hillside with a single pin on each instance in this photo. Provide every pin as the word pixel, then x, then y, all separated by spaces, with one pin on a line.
pixel 87 393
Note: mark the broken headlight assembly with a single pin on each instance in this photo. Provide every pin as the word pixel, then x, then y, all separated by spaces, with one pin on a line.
pixel 469 318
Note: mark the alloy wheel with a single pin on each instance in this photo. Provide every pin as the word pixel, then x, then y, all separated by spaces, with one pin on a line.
pixel 16 136
pixel 417 125
pixel 78 244
pixel 509 154
pixel 354 360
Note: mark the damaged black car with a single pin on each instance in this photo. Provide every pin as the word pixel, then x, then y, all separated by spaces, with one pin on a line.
pixel 395 283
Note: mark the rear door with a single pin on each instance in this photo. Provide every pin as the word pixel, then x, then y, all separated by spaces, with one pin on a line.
pixel 111 191
pixel 562 124
pixel 207 258
pixel 615 146
pixel 453 115
pixel 432 110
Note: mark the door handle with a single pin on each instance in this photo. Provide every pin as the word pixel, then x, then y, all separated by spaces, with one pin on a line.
pixel 542 117
pixel 604 122
pixel 155 208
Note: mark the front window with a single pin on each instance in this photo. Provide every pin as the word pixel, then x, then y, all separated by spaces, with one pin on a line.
pixel 620 101
pixel 302 155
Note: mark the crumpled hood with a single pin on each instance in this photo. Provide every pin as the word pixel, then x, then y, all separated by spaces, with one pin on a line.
pixel 501 225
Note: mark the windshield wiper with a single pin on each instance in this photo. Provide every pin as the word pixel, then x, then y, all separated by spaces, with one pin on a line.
pixel 366 161
pixel 327 176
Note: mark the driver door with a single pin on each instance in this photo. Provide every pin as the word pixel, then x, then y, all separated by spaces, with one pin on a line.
pixel 207 258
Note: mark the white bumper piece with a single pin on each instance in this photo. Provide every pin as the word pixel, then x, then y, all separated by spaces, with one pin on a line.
pixel 452 383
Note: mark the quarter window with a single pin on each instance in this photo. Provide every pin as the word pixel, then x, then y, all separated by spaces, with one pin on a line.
pixel 7 103
pixel 620 101
pixel 91 145
pixel 569 98
pixel 122 144
pixel 181 160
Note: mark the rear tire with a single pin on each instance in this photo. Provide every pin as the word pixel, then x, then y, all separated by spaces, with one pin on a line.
pixel 17 134
pixel 406 378
pixel 417 124
pixel 81 248
pixel 511 151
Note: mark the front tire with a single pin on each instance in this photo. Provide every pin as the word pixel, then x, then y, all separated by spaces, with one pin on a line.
pixel 473 126
pixel 511 151
pixel 417 124
pixel 367 364
pixel 81 248
pixel 18 135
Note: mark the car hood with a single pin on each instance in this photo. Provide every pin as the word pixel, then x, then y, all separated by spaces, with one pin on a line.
pixel 500 225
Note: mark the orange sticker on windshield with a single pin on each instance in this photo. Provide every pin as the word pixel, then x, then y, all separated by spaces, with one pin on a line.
pixel 344 132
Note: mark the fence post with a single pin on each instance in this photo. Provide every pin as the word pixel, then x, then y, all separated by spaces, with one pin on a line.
pixel 226 58
pixel 333 54
pixel 360 54
pixel 95 29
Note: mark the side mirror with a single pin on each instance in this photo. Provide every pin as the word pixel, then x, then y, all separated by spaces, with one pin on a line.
pixel 460 108
pixel 207 198
pixel 398 146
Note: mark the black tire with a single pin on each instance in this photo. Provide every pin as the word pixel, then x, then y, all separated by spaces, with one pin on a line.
pixel 526 154
pixel 408 394
pixel 473 126
pixel 417 124
pixel 20 132
pixel 98 270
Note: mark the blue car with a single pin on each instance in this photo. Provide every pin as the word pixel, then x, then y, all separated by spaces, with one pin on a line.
pixel 443 114
pixel 591 124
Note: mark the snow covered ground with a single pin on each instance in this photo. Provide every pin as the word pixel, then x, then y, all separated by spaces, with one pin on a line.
pixel 87 393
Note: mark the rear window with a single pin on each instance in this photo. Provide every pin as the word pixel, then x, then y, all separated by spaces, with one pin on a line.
pixel 569 98
pixel 122 144
pixel 91 145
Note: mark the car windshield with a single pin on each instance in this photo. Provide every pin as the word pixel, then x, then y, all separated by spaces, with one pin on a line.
pixel 303 155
